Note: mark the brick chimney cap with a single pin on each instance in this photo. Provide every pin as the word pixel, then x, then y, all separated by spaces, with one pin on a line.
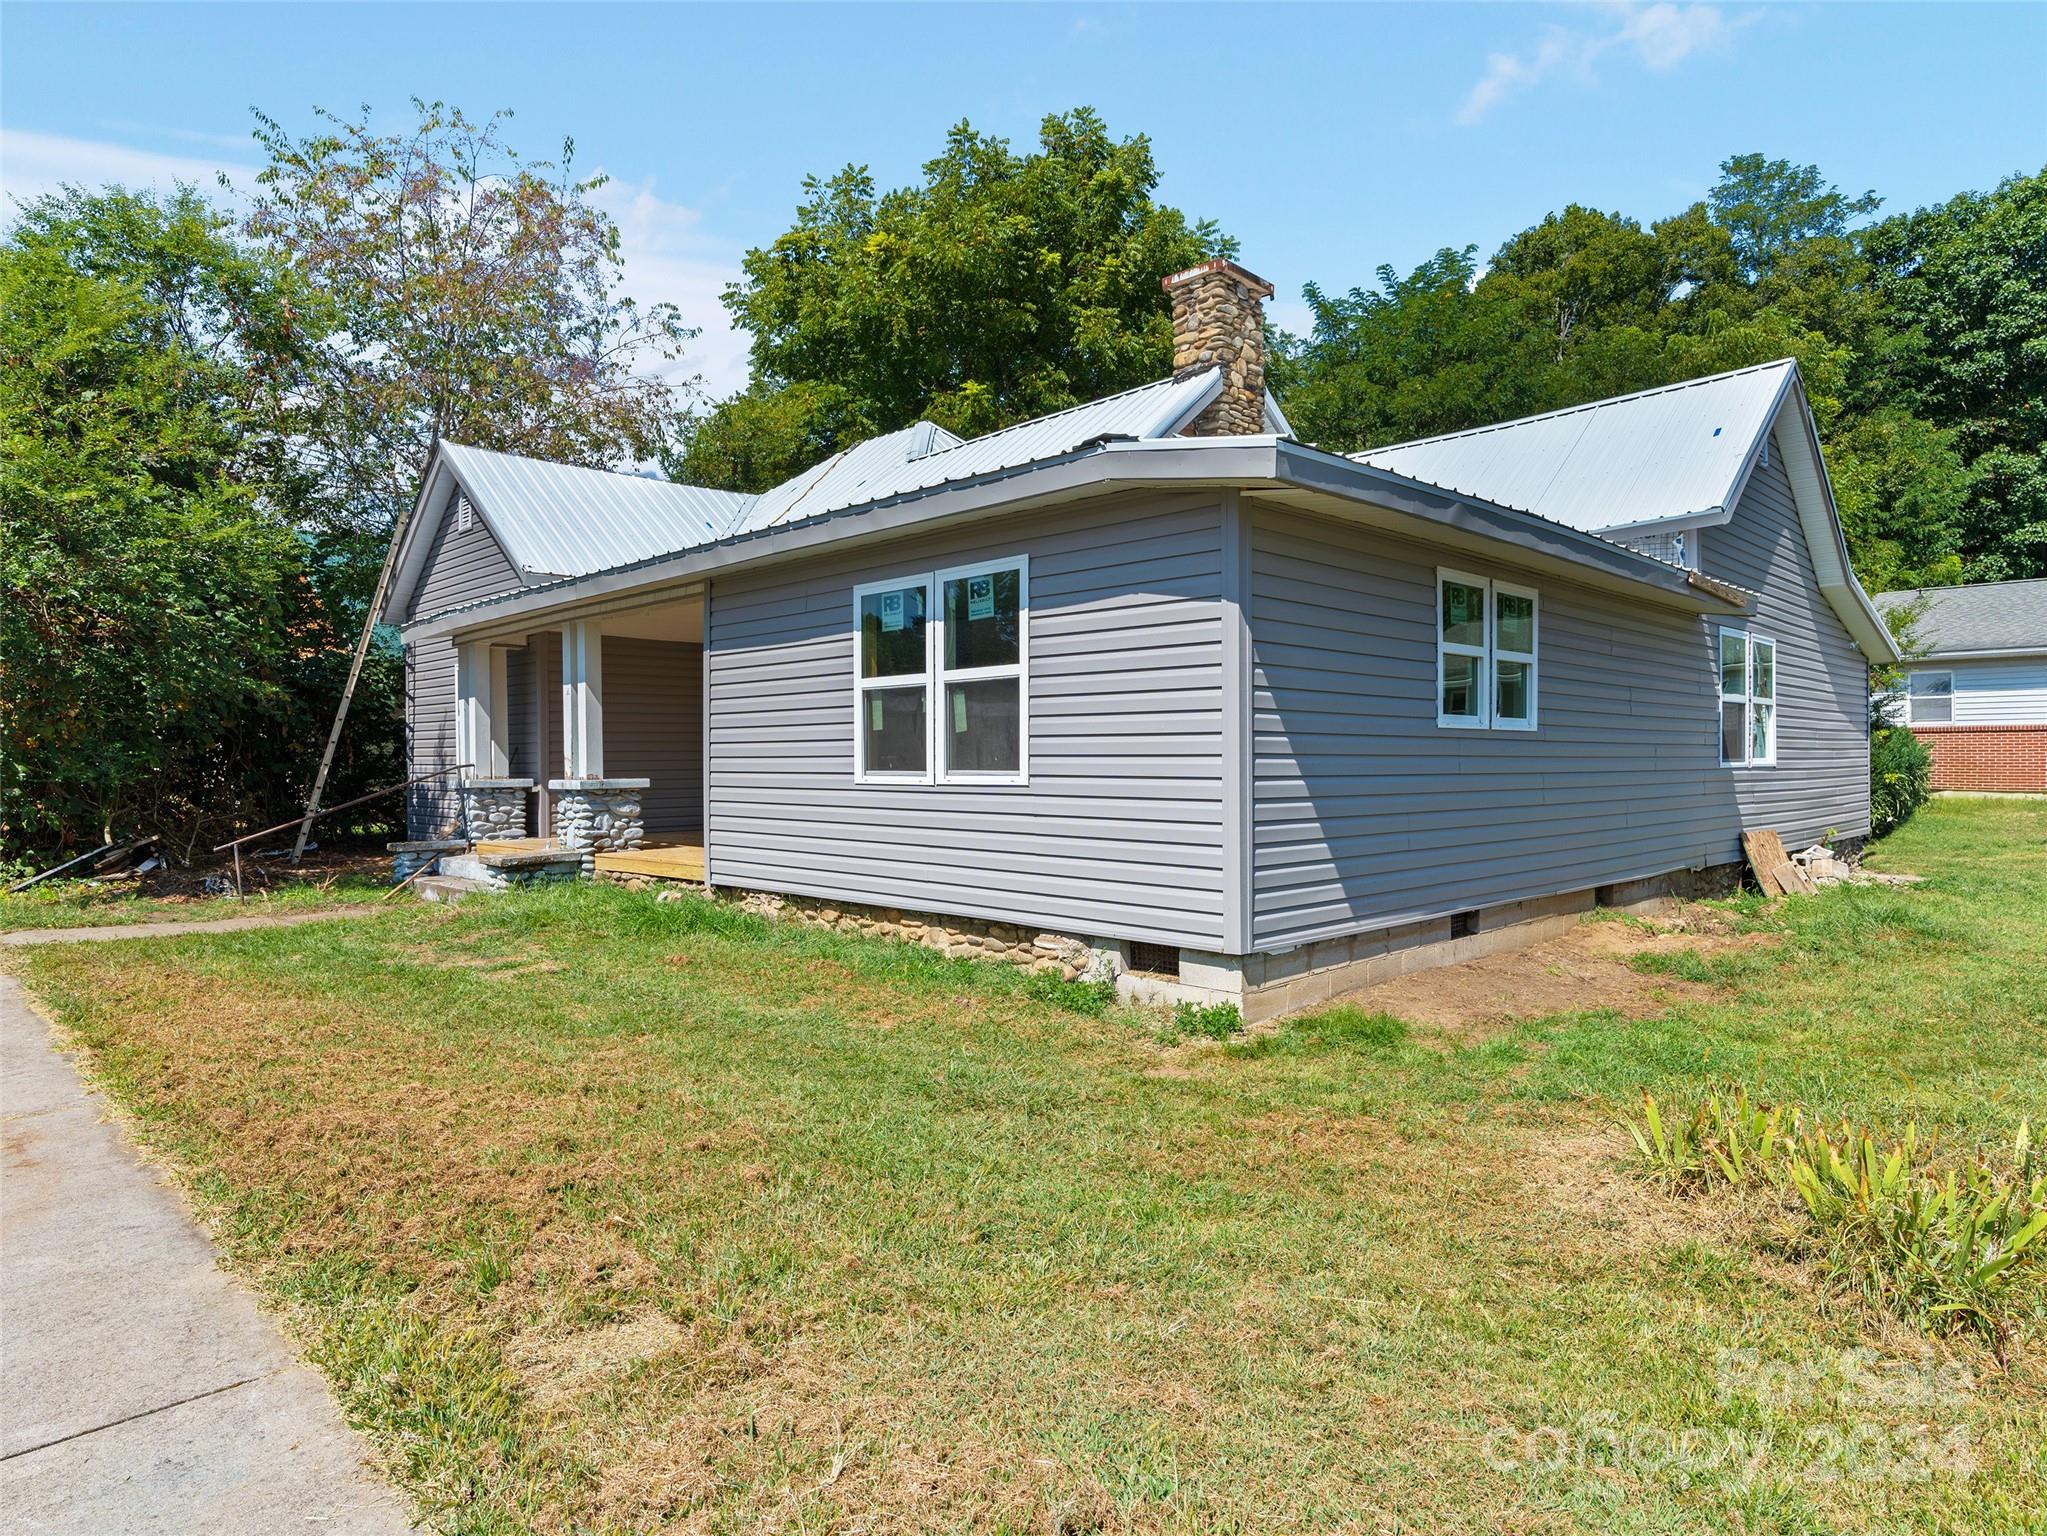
pixel 1249 279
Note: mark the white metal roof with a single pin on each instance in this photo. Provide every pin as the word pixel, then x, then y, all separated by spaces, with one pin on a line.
pixel 890 466
pixel 1678 451
pixel 843 479
pixel 563 520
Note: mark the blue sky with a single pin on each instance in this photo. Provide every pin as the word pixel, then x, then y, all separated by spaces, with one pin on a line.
pixel 1328 139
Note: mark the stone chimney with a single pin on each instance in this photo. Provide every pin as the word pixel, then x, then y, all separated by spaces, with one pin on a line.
pixel 1219 322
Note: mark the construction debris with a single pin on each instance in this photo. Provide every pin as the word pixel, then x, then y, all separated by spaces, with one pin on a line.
pixel 1811 869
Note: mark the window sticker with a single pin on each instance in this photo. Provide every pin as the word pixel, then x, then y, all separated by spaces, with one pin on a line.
pixel 893 614
pixel 874 710
pixel 981 597
pixel 959 712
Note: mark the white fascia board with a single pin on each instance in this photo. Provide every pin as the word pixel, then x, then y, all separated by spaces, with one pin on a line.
pixel 1708 518
pixel 415 538
pixel 2019 653
pixel 1813 494
pixel 437 490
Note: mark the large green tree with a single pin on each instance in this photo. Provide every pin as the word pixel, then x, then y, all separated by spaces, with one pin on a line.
pixel 1964 346
pixel 1917 337
pixel 161 618
pixel 1002 286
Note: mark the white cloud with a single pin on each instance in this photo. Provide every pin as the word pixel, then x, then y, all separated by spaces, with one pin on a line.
pixel 667 255
pixel 1657 37
pixel 34 163
pixel 669 259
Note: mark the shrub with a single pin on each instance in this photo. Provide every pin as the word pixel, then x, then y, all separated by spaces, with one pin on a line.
pixel 1212 1021
pixel 1900 778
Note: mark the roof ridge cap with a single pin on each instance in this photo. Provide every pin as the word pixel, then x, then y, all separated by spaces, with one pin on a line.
pixel 1572 410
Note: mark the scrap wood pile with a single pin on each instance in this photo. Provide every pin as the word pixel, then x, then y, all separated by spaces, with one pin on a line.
pixel 1779 873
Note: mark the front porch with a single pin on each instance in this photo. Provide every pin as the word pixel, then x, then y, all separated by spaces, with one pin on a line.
pixel 676 856
pixel 587 739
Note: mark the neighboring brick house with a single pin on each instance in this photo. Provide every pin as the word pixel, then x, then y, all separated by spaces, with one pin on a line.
pixel 1976 689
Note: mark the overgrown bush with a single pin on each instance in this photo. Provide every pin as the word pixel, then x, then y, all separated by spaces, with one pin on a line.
pixel 1960 1245
pixel 1900 778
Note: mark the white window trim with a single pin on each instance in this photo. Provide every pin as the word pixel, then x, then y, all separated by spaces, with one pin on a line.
pixel 936 675
pixel 1447 648
pixel 1748 698
pixel 862 686
pixel 1912 699
pixel 1019 669
pixel 1500 654
pixel 1489 655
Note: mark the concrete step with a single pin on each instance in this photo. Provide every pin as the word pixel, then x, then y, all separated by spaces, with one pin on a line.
pixel 447 888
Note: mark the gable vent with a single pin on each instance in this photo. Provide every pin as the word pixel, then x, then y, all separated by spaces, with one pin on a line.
pixel 465 515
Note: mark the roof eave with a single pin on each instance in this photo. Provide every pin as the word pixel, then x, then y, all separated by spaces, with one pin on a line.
pixel 1246 462
pixel 1806 468
pixel 1524 536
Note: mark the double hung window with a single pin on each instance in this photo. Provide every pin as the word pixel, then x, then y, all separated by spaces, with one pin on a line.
pixel 940 670
pixel 1485 653
pixel 1748 698
pixel 1930 698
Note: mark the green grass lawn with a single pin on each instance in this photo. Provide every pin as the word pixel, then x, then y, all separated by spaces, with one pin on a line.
pixel 81 904
pixel 608 1215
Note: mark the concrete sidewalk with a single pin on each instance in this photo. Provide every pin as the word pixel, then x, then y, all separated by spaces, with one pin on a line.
pixel 141 1390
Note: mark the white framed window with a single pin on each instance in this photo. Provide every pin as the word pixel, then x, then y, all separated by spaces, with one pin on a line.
pixel 892 634
pixel 982 649
pixel 940 662
pixel 1748 698
pixel 1486 644
pixel 1930 698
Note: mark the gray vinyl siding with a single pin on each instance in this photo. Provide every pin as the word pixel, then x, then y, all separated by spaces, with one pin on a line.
pixel 432 809
pixel 1821 777
pixel 654 726
pixel 1365 813
pixel 462 567
pixel 1119 832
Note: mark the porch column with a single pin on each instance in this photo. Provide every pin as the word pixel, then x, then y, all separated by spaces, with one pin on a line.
pixel 493 805
pixel 582 700
pixel 483 714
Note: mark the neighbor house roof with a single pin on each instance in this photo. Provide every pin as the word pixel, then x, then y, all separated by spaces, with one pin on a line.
pixel 1991 617
pixel 563 520
pixel 1679 451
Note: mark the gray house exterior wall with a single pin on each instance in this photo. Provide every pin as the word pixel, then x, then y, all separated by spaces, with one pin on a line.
pixel 1366 814
pixel 1119 832
pixel 1821 780
pixel 460 568
pixel 654 726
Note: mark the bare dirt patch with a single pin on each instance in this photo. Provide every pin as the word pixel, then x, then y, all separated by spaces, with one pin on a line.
pixel 1584 970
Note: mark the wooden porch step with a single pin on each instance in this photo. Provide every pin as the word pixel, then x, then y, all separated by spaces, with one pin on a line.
pixel 657 861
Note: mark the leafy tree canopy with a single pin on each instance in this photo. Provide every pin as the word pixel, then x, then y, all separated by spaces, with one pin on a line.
pixel 1002 287
pixel 476 298
pixel 160 618
pixel 1918 337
